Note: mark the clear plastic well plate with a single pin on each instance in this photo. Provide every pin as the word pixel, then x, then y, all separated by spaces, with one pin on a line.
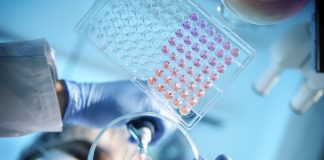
pixel 181 51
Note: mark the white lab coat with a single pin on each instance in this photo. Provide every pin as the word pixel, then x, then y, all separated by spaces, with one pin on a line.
pixel 28 101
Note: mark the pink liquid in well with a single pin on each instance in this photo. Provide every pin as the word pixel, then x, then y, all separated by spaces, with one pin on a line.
pixel 167 80
pixel 219 53
pixel 197 62
pixel 177 102
pixel 213 76
pixel 151 81
pixel 172 41
pixel 211 46
pixel 185 110
pixel 174 72
pixel 184 94
pixel 235 52
pixel 181 63
pixel 204 54
pixel 176 87
pixel 228 60
pixel 205 69
pixel 160 88
pixel 173 56
pixel 221 68
pixel 168 95
pixel 165 49
pixel 183 79
pixel 198 78
pixel 207 85
pixel 200 93
pixel 190 70
pixel 212 61
pixel 191 86
pixel 227 45
pixel 193 102
pixel 159 73
pixel 166 64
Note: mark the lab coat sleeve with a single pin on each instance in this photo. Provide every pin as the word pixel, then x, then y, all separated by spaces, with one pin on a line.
pixel 28 100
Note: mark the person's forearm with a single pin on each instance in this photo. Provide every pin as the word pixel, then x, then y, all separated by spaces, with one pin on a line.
pixel 61 95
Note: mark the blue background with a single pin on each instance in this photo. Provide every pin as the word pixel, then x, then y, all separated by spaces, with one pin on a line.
pixel 246 125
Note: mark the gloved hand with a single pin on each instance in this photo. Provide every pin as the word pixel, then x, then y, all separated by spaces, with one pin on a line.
pixel 95 105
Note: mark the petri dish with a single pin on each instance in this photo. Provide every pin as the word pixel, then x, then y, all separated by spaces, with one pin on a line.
pixel 176 145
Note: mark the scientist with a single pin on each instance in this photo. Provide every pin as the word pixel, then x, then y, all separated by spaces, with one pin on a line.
pixel 29 101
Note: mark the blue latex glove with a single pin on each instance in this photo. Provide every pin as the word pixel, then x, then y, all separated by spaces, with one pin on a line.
pixel 95 105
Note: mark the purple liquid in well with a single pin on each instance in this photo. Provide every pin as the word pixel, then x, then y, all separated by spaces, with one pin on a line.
pixel 194 17
pixel 195 32
pixel 186 25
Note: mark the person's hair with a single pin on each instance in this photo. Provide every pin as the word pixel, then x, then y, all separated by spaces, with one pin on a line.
pixel 76 148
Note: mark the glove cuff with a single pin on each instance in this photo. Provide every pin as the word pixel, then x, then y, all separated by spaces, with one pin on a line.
pixel 73 104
